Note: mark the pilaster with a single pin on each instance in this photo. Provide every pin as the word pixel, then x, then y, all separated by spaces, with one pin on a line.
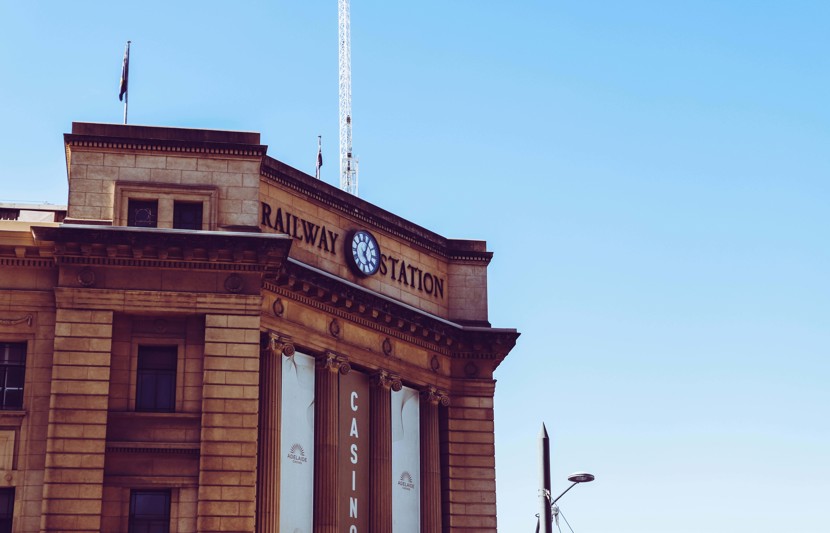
pixel 380 450
pixel 431 398
pixel 468 462
pixel 326 472
pixel 76 435
pixel 270 395
pixel 230 401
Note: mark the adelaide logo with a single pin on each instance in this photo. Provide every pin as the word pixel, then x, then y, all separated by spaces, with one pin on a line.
pixel 297 454
pixel 405 482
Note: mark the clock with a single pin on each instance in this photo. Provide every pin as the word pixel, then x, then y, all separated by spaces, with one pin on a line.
pixel 363 253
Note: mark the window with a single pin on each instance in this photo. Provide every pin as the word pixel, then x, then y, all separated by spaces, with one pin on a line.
pixel 6 509
pixel 12 374
pixel 165 205
pixel 187 215
pixel 149 511
pixel 156 379
pixel 143 213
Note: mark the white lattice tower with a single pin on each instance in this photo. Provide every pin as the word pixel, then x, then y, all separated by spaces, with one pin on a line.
pixel 348 167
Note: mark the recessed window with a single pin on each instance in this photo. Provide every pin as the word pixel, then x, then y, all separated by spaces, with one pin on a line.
pixel 143 213
pixel 149 511
pixel 12 374
pixel 156 379
pixel 187 215
pixel 6 509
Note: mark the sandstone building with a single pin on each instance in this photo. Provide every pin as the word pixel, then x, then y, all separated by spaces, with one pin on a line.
pixel 207 339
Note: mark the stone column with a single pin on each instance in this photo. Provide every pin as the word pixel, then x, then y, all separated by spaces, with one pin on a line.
pixel 431 460
pixel 326 437
pixel 268 467
pixel 76 435
pixel 380 450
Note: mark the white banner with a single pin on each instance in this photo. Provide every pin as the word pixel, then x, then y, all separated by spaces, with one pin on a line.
pixel 297 444
pixel 406 461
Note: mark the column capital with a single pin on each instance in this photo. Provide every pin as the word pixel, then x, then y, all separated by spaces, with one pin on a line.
pixel 280 344
pixel 387 380
pixel 435 396
pixel 334 362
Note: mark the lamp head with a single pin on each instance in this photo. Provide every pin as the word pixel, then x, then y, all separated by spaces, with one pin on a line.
pixel 581 477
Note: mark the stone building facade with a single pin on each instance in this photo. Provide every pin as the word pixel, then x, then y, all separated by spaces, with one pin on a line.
pixel 210 340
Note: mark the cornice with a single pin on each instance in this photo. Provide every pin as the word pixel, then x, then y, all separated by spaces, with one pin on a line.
pixel 164 139
pixel 163 248
pixel 345 300
pixel 353 207
pixel 28 262
pixel 163 145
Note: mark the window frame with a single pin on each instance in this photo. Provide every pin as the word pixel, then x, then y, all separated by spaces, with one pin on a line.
pixel 7 515
pixel 4 373
pixel 168 514
pixel 177 213
pixel 166 195
pixel 178 400
pixel 131 221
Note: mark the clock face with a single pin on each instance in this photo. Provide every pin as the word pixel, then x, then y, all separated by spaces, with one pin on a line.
pixel 365 253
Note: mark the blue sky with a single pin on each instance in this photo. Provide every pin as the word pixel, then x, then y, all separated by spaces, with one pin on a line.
pixel 652 177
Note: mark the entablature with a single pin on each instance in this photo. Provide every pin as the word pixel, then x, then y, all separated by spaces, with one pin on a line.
pixel 165 248
pixel 347 300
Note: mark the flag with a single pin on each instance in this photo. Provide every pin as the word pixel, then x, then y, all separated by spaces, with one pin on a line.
pixel 319 156
pixel 125 72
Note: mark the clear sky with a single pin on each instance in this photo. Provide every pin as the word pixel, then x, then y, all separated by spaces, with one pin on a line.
pixel 651 175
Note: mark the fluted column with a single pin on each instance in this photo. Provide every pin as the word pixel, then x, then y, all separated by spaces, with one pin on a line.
pixel 270 395
pixel 431 460
pixel 326 436
pixel 380 450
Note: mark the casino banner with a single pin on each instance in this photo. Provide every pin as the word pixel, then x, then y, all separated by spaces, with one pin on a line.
pixel 406 461
pixel 354 452
pixel 297 444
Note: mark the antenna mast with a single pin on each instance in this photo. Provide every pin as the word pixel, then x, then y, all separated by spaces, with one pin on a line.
pixel 348 165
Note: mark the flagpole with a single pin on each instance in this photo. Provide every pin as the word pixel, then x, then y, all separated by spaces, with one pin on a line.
pixel 125 80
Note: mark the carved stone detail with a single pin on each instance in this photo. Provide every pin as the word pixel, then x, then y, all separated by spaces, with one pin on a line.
pixel 334 328
pixel 280 344
pixel 435 396
pixel 234 283
pixel 435 363
pixel 278 307
pixel 471 369
pixel 86 277
pixel 334 363
pixel 13 321
pixel 386 346
pixel 387 380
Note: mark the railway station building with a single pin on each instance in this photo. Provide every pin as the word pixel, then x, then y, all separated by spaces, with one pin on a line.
pixel 206 339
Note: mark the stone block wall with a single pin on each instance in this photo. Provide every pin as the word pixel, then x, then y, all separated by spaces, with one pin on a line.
pixel 468 459
pixel 76 439
pixel 94 173
pixel 228 457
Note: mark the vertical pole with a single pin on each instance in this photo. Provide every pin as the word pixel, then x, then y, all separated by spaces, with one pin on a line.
pixel 319 156
pixel 544 481
pixel 125 79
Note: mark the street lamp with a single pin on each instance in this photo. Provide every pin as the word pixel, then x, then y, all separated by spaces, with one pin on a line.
pixel 546 504
pixel 576 478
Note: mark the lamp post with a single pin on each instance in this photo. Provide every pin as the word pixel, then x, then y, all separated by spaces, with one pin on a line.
pixel 545 503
